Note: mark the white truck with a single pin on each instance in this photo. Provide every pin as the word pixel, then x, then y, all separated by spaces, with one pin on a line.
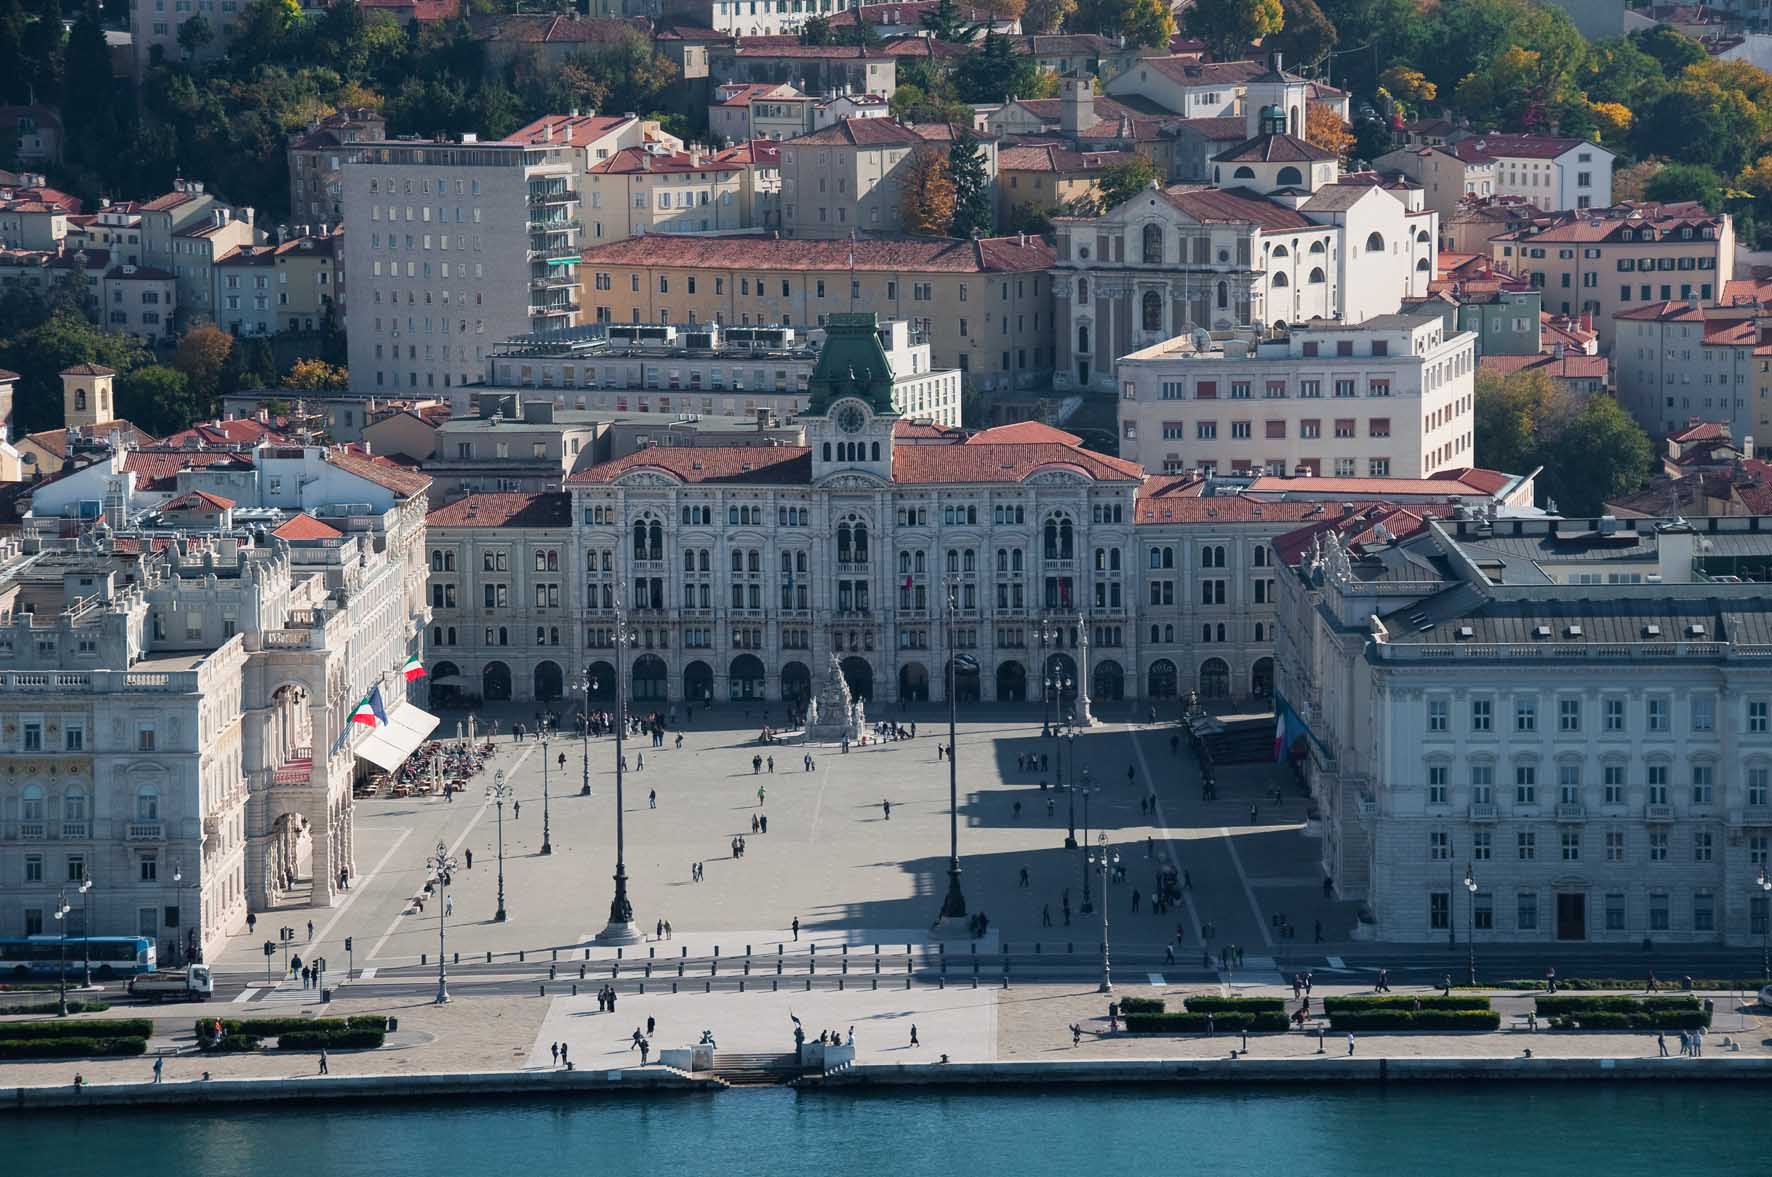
pixel 193 984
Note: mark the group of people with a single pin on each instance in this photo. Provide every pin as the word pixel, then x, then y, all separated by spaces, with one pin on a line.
pixel 887 730
pixel 606 1000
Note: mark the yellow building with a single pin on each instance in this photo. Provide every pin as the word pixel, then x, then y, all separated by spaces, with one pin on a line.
pixel 984 306
pixel 652 189
pixel 311 281
pixel 1047 177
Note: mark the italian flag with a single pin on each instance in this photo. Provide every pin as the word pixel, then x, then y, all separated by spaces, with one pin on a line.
pixel 370 711
pixel 414 669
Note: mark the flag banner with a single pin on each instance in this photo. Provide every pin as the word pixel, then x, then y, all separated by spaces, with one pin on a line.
pixel 414 669
pixel 370 711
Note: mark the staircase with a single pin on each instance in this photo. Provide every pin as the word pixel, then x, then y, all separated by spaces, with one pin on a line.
pixel 1247 741
pixel 756 1070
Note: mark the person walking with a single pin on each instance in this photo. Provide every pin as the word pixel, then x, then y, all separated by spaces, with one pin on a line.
pixel 886 808
pixel 763 824
pixel 1661 1042
pixel 470 856
pixel 160 1063
pixel 1045 915
pixel 1076 1034
pixel 759 796
pixel 651 1026
pixel 1024 878
pixel 1350 1043
pixel 652 798
pixel 639 762
pixel 796 928
pixel 323 1069
pixel 772 765
pixel 914 1041
pixel 554 1050
pixel 563 1061
pixel 516 810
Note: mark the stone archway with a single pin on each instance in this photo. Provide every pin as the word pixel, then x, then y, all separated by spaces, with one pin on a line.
pixel 1163 681
pixel 1215 679
pixel 796 682
pixel 652 680
pixel 445 684
pixel 859 674
pixel 746 678
pixel 698 682
pixel 1012 682
pixel 965 678
pixel 495 682
pixel 1261 678
pixel 602 683
pixel 549 681
pixel 913 683
pixel 1107 681
pixel 1061 677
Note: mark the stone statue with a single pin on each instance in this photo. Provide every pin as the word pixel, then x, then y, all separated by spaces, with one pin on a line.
pixel 834 715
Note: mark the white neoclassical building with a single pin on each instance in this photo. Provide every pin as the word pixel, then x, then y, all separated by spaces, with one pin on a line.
pixel 1575 715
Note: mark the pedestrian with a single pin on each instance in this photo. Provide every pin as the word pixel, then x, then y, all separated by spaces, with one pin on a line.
pixel 886 808
pixel 251 922
pixel 914 1041
pixel 310 931
pixel 516 810
pixel 1051 805
pixel 470 855
pixel 763 823
pixel 1024 878
pixel 753 823
pixel 1018 811
pixel 658 929
pixel 563 1061
pixel 160 1063
pixel 1076 1034
pixel 645 1049
pixel 652 798
pixel 1045 915
pixel 759 796
pixel 323 1069
pixel 651 1026
pixel 554 1052
pixel 772 764
pixel 1350 1043
pixel 796 928
pixel 639 762
pixel 807 762
pixel 1254 812
pixel 1661 1042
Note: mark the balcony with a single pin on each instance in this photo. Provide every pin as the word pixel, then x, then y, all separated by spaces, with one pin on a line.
pixel 297 770
pixel 76 831
pixel 554 282
pixel 1483 812
pixel 549 197
pixel 1571 811
pixel 144 831
pixel 1755 815
pixel 549 310
pixel 33 831
pixel 1661 814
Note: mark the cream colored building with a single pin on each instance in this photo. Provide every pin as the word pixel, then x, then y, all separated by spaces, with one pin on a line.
pixel 311 281
pixel 847 178
pixel 641 190
pixel 985 306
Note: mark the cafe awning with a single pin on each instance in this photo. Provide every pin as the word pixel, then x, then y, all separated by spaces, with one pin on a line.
pixel 390 745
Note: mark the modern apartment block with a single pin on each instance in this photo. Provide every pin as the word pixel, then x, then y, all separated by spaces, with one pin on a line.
pixel 1571 713
pixel 187 231
pixel 1684 361
pixel 454 247
pixel 1388 398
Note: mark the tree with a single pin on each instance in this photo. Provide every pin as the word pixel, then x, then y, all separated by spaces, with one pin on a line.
pixel 1141 22
pixel 926 201
pixel 1699 122
pixel 1601 455
pixel 994 71
pixel 1228 26
pixel 1307 35
pixel 1122 181
pixel 201 354
pixel 1674 50
pixel 196 33
pixel 1686 181
pixel 316 376
pixel 973 198
pixel 816 30
pixel 41 353
pixel 157 398
pixel 1630 181
pixel 862 32
pixel 14 81
pixel 1323 127
pixel 944 21
pixel 1409 84
pixel 41 50
pixel 1612 121
pixel 1513 415
pixel 1045 16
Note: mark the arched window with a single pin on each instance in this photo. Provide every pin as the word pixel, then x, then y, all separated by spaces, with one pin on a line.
pixel 738 561
pixel 639 540
pixel 1421 265
pixel 1082 339
pixel 827 451
pixel 953 560
pixel 1316 277
pixel 436 561
pixel 1375 243
pixel 689 560
pixel 1156 557
pixel 1224 295
pixel 1280 280
pixel 74 805
pixel 754 561
pixel 32 801
pixel 1421 236
pixel 1153 311
pixel 1243 173
pixel 904 562
pixel 1153 244
pixel 874 454
pixel 147 802
pixel 1289 177
pixel 436 635
pixel 1317 247
pixel 1155 632
pixel 702 561
pixel 1260 632
pixel 1281 251
pixel 1083 290
pixel 1113 559
pixel 969 561
pixel 1168 633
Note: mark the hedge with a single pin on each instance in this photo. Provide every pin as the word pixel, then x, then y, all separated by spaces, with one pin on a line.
pixel 1709 985
pixel 121 1028
pixel 1690 1019
pixel 1141 1005
pixel 1195 1023
pixel 1403 1019
pixel 71 1047
pixel 1552 1006
pixel 1334 1005
pixel 333 1040
pixel 272 1027
pixel 378 1022
pixel 43 1007
pixel 234 1044
pixel 1212 1004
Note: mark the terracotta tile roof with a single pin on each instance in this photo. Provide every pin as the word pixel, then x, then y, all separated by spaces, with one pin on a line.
pixel 1274 149
pixel 1702 431
pixel 798 52
pixel 995 462
pixel 200 498
pixel 636 161
pixel 913 430
pixel 157 469
pixel 920 255
pixel 1189 72
pixel 1746 290
pixel 754 153
pixel 7 376
pixel 1682 310
pixel 576 130
pixel 403 482
pixel 1185 507
pixel 765 465
pixel 1058 159
pixel 89 370
pixel 1360 528
pixel 742 95
pixel 1664 222
pixel 1214 130
pixel 1463 481
pixel 305 527
pixel 1573 365
pixel 138 274
pixel 55 441
pixel 861 133
pixel 238 431
pixel 1510 146
pixel 1024 433
pixel 1234 206
pixel 1476 477
pixel 167 202
pixel 550 509
pixel 688 33
pixel 248 255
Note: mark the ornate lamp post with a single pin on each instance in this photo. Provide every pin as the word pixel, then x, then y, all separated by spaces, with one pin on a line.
pixel 1102 859
pixel 547 844
pixel 85 931
pixel 620 929
pixel 193 948
pixel 587 684
pixel 442 867
pixel 1070 838
pixel 953 908
pixel 1088 899
pixel 61 920
pixel 498 793
pixel 1765 884
pixel 1470 928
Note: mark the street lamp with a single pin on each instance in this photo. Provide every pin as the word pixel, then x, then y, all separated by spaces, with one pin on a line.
pixel 442 867
pixel 498 793
pixel 1765 882
pixel 547 845
pixel 587 684
pixel 193 950
pixel 1088 900
pixel 1102 859
pixel 620 929
pixel 61 919
pixel 1470 930
pixel 953 908
pixel 1070 838
pixel 85 931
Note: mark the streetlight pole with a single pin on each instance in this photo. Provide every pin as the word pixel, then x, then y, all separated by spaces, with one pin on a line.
pixel 1088 900
pixel 85 930
pixel 953 908
pixel 1765 882
pixel 497 792
pixel 620 929
pixel 442 868
pixel 547 845
pixel 588 683
pixel 1102 859
pixel 61 918
pixel 1070 792
pixel 1470 929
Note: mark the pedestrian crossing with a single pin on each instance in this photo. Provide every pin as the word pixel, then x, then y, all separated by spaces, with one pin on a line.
pixel 290 991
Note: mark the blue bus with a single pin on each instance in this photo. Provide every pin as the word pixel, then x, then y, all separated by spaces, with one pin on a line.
pixel 111 956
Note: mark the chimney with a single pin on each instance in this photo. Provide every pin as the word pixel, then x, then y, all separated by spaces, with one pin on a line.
pixel 1587 320
pixel 1274 62
pixel 1557 351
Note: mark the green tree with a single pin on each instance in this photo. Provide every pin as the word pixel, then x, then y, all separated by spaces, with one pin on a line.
pixel 816 30
pixel 1122 181
pixel 944 21
pixel 15 82
pixel 1601 454
pixel 861 32
pixel 194 34
pixel 91 112
pixel 990 73
pixel 1045 16
pixel 1306 36
pixel 1228 26
pixel 973 198
pixel 1619 71
pixel 40 354
pixel 41 50
pixel 157 398
pixel 1141 22
pixel 1699 122
pixel 926 197
pixel 1686 181
pixel 201 354
pixel 1673 49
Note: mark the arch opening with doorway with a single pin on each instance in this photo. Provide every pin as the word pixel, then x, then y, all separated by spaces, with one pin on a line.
pixel 1161 681
pixel 1261 678
pixel 698 682
pixel 859 674
pixel 913 683
pixel 1215 679
pixel 549 681
pixel 1012 683
pixel 746 679
pixel 965 678
pixel 495 683
pixel 652 681
pixel 796 682
pixel 1107 681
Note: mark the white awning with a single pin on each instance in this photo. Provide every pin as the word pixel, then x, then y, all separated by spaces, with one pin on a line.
pixel 389 746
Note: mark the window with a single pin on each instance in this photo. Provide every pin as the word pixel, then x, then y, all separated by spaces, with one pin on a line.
pixel 1757 716
pixel 1657 775
pixel 1614 715
pixel 1614 912
pixel 1526 714
pixel 1482 784
pixel 1526 784
pixel 1704 713
pixel 1436 784
pixel 1526 912
pixel 1756 785
pixel 1481 845
pixel 1703 783
pixel 1571 846
pixel 1657 847
pixel 1439 845
pixel 1613 778
pixel 1615 846
pixel 1439 910
pixel 1526 843
pixel 1568 715
pixel 1658 714
pixel 1701 846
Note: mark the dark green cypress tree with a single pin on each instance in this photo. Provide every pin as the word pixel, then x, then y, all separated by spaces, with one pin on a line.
pixel 972 186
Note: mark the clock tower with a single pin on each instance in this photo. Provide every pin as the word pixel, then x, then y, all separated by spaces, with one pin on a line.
pixel 850 419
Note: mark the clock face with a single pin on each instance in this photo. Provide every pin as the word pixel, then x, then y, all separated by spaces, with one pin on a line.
pixel 850 419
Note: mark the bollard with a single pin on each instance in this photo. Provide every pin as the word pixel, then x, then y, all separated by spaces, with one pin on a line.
pixel 648 968
pixel 811 966
pixel 489 958
pixel 778 948
pixel 673 986
pixel 1005 980
pixel 975 980
pixel 876 984
pixel 520 955
pixel 839 984
pixel 812 949
pixel 587 954
pixel 907 982
pixel 707 986
pixel 941 950
pixel 421 958
pixel 685 950
pixel 541 990
pixel 747 967
pixel 642 987
pixel 808 984
pixel 845 950
pixel 581 972
pixel 679 968
pixel 876 964
pixel 747 949
pixel 652 952
pixel 876 950
pixel 975 966
pixel 615 968
pixel 551 975
pixel 716 952
pixel 940 982
pixel 1036 948
pixel 975 948
pixel 741 986
pixel 778 968
pixel 553 954
pixel 618 953
pixel 774 986
pixel 714 967
pixel 575 990
pixel 845 966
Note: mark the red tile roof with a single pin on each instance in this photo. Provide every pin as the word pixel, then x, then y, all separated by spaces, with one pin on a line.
pixel 238 431
pixel 750 253
pixel 56 440
pixel 200 498
pixel 1573 365
pixel 88 370
pixel 550 509
pixel 1476 477
pixel 157 469
pixel 852 132
pixel 305 527
pixel 799 52
pixel 403 482
pixel 1024 433
pixel 1234 206
pixel 579 130
pixel 995 462
pixel 1360 528
pixel 1190 72
pixel 1510 146
pixel 633 161
pixel 1057 158
pixel 167 202
pixel 1702 431
pixel 753 153
pixel 1274 149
